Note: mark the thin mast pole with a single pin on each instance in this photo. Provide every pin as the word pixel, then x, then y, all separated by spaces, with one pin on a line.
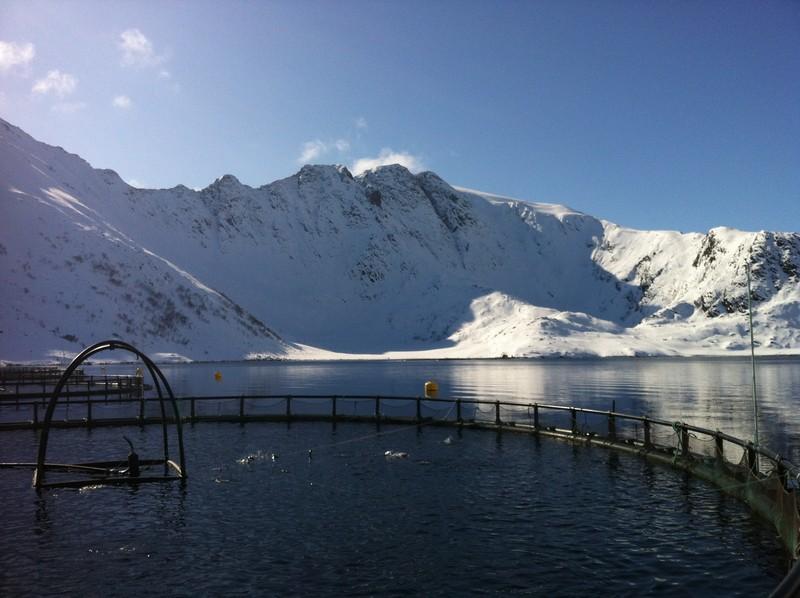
pixel 752 351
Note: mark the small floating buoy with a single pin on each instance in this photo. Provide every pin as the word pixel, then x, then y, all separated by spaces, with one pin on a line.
pixel 218 376
pixel 431 389
pixel 448 440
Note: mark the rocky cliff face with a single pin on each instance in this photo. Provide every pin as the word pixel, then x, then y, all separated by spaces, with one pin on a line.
pixel 384 263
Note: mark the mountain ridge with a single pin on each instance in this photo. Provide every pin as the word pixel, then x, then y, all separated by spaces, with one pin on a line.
pixel 324 264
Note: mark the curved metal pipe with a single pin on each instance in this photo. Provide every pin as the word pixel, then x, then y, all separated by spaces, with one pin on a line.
pixel 158 379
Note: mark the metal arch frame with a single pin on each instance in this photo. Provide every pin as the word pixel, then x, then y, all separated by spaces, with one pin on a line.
pixel 158 380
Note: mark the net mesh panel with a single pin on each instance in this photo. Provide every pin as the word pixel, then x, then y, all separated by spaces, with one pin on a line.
pixel 437 410
pixel 151 408
pixel 63 411
pixel 468 411
pixel 733 453
pixel 768 493
pixel 356 407
pixel 15 412
pixel 627 428
pixel 593 424
pixel 702 444
pixel 517 414
pixel 398 408
pixel 558 419
pixel 311 407
pixel 112 409
pixel 215 407
pixel 264 406
pixel 484 413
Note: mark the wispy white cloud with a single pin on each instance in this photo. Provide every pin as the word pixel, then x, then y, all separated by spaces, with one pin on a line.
pixel 312 150
pixel 137 50
pixel 388 156
pixel 361 123
pixel 164 74
pixel 316 148
pixel 123 102
pixel 58 83
pixel 13 55
pixel 68 107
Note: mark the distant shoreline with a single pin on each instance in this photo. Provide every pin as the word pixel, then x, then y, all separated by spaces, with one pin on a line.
pixel 543 358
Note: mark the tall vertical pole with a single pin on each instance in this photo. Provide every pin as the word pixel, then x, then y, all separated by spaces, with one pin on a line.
pixel 752 352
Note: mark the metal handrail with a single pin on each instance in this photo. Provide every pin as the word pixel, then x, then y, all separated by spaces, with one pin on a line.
pixel 790 468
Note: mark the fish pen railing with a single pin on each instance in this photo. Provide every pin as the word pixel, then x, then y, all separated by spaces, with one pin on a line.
pixel 767 481
pixel 10 374
pixel 31 387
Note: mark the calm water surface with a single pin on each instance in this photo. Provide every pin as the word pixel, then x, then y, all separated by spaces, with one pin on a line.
pixel 710 392
pixel 475 511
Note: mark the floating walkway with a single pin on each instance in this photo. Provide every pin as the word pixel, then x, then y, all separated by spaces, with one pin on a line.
pixel 20 383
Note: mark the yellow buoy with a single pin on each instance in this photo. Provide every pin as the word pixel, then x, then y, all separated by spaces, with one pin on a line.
pixel 218 376
pixel 431 389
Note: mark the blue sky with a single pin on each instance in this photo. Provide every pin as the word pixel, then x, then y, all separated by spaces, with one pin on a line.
pixel 655 115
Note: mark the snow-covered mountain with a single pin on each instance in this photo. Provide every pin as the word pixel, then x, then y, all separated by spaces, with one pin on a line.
pixel 324 264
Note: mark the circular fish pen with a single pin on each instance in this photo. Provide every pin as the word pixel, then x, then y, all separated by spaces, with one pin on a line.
pixel 765 481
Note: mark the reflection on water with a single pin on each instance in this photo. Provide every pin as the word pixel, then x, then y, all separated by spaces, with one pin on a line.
pixel 715 393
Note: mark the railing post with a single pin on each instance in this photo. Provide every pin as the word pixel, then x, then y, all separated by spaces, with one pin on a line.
pixel 141 408
pixel 536 416
pixel 458 411
pixel 377 408
pixel 241 407
pixel 288 407
pixel 191 409
pixel 419 409
pixel 35 415
pixel 612 427
pixel 718 448
pixel 497 413
pixel 752 460
pixel 648 443
pixel 573 420
pixel 333 408
pixel 685 440
pixel 88 411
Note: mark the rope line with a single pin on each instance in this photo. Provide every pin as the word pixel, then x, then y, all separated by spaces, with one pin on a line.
pixel 402 428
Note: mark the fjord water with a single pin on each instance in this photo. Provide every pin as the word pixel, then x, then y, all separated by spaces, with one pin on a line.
pixel 711 392
pixel 466 511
